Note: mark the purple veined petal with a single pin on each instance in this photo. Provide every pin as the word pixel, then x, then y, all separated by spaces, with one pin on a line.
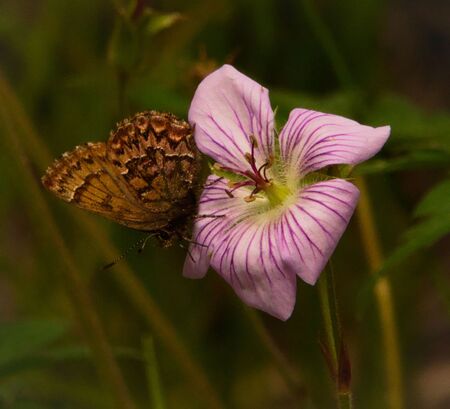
pixel 311 140
pixel 207 230
pixel 312 227
pixel 226 109
pixel 248 258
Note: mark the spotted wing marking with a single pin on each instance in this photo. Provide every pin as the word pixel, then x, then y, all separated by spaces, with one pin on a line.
pixel 85 178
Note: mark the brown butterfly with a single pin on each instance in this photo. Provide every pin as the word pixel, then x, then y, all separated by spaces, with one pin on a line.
pixel 144 177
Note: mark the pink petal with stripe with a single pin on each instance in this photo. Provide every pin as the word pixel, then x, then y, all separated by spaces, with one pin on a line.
pixel 311 140
pixel 227 109
pixel 221 211
pixel 248 258
pixel 312 227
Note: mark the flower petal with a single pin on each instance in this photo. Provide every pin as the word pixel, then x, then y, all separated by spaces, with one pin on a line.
pixel 216 210
pixel 248 258
pixel 313 225
pixel 226 110
pixel 311 140
pixel 242 247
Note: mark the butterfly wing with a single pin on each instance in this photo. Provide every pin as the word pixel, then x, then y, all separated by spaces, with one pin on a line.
pixel 86 178
pixel 156 155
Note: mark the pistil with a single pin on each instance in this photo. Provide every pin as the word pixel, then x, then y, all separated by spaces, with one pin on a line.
pixel 257 178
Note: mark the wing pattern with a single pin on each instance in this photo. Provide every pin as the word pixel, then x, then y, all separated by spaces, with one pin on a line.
pixel 144 176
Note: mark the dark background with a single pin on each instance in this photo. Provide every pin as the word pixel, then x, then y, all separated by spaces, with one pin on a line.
pixel 71 69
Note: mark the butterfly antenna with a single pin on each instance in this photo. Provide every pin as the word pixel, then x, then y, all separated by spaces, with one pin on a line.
pixel 188 251
pixel 206 216
pixel 140 244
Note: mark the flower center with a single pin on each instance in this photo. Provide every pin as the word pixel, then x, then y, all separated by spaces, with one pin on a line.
pixel 258 178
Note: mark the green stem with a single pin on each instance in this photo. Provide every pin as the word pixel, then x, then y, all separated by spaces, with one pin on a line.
pixel 334 348
pixel 383 295
pixel 371 242
pixel 154 383
pixel 329 318
pixel 345 401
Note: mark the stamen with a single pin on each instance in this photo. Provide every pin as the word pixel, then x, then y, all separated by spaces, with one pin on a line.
pixel 265 172
pixel 253 141
pixel 257 176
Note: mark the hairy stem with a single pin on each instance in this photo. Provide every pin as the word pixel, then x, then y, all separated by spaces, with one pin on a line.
pixel 334 348
pixel 368 231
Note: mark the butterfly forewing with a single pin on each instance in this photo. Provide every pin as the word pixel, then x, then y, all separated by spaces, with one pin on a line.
pixel 144 177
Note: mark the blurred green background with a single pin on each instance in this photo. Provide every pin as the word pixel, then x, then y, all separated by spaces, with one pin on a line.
pixel 69 70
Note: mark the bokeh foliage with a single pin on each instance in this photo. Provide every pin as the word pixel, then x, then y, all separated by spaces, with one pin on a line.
pixel 70 70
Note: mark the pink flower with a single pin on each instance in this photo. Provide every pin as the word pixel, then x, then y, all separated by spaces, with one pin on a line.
pixel 279 216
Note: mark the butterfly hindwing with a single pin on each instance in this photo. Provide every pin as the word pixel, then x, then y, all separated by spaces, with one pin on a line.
pixel 85 178
pixel 144 177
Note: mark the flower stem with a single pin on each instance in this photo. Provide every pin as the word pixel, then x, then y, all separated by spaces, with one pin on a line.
pixel 345 401
pixel 383 294
pixel 334 348
pixel 327 315
pixel 368 231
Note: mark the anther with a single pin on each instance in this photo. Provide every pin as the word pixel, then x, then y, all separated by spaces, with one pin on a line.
pixel 253 141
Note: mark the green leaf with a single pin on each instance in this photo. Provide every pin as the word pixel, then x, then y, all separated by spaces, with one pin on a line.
pixel 435 211
pixel 420 236
pixel 435 202
pixel 21 339
pixel 154 383
pixel 411 160
pixel 158 22
pixel 412 127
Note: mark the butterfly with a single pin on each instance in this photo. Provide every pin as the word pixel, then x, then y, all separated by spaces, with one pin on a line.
pixel 144 177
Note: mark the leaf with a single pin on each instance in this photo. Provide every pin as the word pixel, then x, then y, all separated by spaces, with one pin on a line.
pixel 158 22
pixel 154 383
pixel 412 127
pixel 411 160
pixel 435 224
pixel 421 236
pixel 21 339
pixel 435 202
